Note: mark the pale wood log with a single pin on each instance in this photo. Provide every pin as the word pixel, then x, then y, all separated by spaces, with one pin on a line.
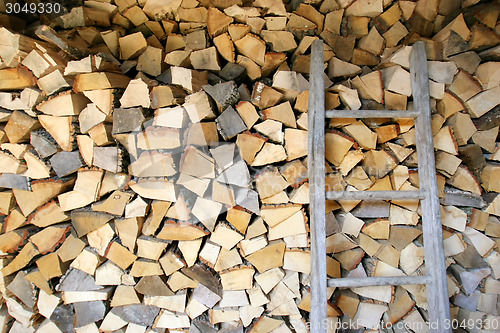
pixel 249 145
pixel 19 126
pixel 269 154
pixel 309 12
pixel 486 139
pixel 349 97
pixel 249 246
pixel 226 259
pixel 482 102
pixel 465 86
pixel 101 134
pixel 252 47
pixel 70 249
pixel 131 46
pixel 378 163
pixel 300 26
pixel 397 80
pixel 52 82
pixel 16 78
pixel 217 22
pixel 370 86
pixel 272 60
pixel 97 81
pixel 342 145
pixel 281 41
pixel 205 59
pixel 41 193
pixel 180 231
pixel 293 225
pixel 271 129
pixel 239 219
pixel 238 31
pixel 269 257
pixel 119 255
pixel 225 47
pixel 253 70
pixel 362 134
pixel 239 278
pixel 282 113
pixel 445 141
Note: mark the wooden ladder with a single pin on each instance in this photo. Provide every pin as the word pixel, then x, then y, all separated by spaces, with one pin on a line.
pixel 435 277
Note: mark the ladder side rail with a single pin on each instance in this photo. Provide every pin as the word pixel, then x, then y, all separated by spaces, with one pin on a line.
pixel 437 288
pixel 316 170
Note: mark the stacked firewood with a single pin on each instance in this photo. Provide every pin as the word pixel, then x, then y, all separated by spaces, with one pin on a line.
pixel 153 164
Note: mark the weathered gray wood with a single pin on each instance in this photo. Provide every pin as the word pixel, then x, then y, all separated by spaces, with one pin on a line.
pixel 232 71
pixel 139 314
pixel 248 199
pixel 43 143
pixel 88 312
pixel 230 123
pixel 66 162
pixel 48 34
pixel 76 280
pixel 453 197
pixel 374 195
pixel 202 275
pixel 63 317
pixel 23 289
pixel 372 209
pixel 108 158
pixel 469 279
pixel 127 120
pixel 224 94
pixel 316 169
pixel 237 174
pixel 378 281
pixel 10 180
pixel 437 288
pixel 372 114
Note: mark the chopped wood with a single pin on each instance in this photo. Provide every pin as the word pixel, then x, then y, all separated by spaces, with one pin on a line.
pixel 97 81
pixel 342 145
pixel 463 80
pixel 397 80
pixel 136 94
pixel 217 22
pixel 281 41
pixel 378 163
pixel 205 59
pixel 464 180
pixel 132 46
pixel 252 47
pixel 445 141
pixel 463 127
pixel 482 102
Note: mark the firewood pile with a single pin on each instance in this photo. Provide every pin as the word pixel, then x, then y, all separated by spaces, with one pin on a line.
pixel 153 164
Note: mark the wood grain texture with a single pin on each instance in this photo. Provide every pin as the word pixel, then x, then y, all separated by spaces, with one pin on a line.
pixel 316 169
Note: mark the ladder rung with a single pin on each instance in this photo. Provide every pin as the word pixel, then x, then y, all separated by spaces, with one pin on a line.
pixel 374 195
pixel 378 281
pixel 371 114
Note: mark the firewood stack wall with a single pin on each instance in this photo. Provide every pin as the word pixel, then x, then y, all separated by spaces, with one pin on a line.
pixel 153 164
